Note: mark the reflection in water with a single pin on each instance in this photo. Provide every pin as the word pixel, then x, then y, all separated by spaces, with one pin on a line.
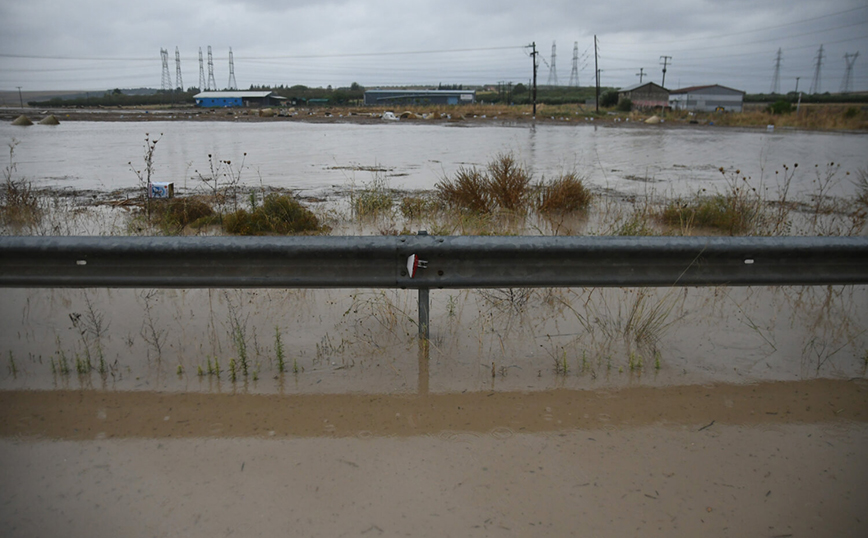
pixel 367 341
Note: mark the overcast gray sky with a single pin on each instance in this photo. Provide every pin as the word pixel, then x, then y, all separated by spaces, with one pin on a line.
pixel 100 44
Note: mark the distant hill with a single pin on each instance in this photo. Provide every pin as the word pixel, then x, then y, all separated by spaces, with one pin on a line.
pixel 11 98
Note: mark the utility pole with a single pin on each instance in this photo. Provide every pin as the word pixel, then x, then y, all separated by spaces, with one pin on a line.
pixel 665 63
pixel 597 74
pixel 641 74
pixel 533 57
pixel 20 99
pixel 799 104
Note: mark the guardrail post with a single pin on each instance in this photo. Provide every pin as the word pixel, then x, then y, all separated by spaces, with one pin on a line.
pixel 424 312
pixel 424 306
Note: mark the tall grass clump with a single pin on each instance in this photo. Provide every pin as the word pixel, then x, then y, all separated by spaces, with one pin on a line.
pixel 175 214
pixel 503 185
pixel 508 183
pixel 278 214
pixel 738 211
pixel 374 199
pixel 565 194
pixel 20 204
pixel 416 207
pixel 862 189
pixel 468 191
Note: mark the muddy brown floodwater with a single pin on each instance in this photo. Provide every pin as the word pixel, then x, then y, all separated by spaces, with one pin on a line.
pixel 566 412
pixel 732 412
pixel 772 459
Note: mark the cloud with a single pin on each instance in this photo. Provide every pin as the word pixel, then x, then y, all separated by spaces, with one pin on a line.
pixel 106 44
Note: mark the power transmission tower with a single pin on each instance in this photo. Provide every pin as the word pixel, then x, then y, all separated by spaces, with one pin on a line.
pixel 232 84
pixel 202 86
pixel 574 74
pixel 533 56
pixel 665 63
pixel 776 79
pixel 641 74
pixel 815 84
pixel 179 83
pixel 166 83
pixel 847 83
pixel 597 75
pixel 553 70
pixel 212 84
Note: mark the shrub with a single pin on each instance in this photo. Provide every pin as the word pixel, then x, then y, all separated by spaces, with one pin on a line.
pixel 414 207
pixel 609 98
pixel 278 214
pixel 20 204
pixel 504 184
pixel 563 195
pixel 508 183
pixel 469 191
pixel 374 199
pixel 177 213
pixel 780 107
pixel 727 213
pixel 625 105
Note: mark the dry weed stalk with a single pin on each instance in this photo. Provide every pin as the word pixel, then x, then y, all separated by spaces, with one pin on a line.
pixel 20 203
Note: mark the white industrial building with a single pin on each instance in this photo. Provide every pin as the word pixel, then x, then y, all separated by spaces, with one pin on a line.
pixel 714 98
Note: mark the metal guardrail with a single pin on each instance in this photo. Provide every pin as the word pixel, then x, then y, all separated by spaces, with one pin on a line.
pixel 452 262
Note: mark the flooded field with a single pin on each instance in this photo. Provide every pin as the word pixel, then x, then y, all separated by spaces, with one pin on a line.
pixel 720 411
pixel 314 159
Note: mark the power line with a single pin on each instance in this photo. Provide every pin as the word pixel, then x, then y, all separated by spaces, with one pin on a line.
pixel 762 29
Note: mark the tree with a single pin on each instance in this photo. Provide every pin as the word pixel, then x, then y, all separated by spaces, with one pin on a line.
pixel 609 98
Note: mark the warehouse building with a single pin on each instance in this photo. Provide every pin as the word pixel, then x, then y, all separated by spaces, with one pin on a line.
pixel 714 98
pixel 238 99
pixel 420 97
pixel 647 95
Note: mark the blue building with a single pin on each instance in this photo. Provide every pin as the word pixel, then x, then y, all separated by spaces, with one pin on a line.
pixel 238 99
pixel 420 97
